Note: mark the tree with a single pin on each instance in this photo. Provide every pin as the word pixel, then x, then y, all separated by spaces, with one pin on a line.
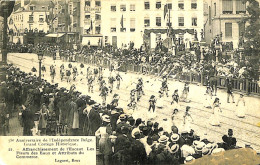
pixel 252 32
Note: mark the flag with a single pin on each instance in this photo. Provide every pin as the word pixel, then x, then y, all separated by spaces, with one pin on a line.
pixel 91 25
pixel 165 10
pixel 46 18
pixel 122 22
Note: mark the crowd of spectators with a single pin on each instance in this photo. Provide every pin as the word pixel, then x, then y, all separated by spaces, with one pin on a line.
pixel 46 109
pixel 196 60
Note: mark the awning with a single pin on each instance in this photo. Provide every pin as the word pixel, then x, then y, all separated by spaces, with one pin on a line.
pixel 92 40
pixel 57 35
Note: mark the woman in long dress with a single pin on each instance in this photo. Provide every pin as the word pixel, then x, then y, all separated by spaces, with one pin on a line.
pixel 208 97
pixel 104 142
pixel 214 119
pixel 187 120
pixel 160 100
pixel 44 113
pixel 241 106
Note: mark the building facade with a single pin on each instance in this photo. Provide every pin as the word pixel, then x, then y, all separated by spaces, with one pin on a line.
pixel 225 20
pixel 28 18
pixel 139 21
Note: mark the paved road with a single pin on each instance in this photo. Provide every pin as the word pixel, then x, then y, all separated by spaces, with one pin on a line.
pixel 245 130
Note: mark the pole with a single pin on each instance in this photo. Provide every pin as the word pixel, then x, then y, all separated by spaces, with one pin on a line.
pixel 40 70
pixel 4 50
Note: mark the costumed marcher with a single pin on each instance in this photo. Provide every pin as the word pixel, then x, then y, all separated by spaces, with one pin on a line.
pixel 208 94
pixel 104 93
pixel 165 86
pixel 214 119
pixel 111 80
pixel 118 80
pixel 187 119
pixel 114 102
pixel 175 100
pixel 185 93
pixel 132 104
pixel 230 92
pixel 241 106
pixel 152 102
pixel 90 84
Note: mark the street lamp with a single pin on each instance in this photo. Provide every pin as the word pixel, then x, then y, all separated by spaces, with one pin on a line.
pixel 40 57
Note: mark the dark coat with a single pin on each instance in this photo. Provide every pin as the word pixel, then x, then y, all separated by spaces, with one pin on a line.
pixel 95 121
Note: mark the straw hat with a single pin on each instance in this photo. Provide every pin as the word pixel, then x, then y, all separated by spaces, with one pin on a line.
pixel 175 137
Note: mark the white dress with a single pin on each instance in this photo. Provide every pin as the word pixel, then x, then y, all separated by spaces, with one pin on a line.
pixel 187 124
pixel 159 102
pixel 240 111
pixel 214 119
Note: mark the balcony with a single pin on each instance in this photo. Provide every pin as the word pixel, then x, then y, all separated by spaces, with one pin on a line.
pixel 30 21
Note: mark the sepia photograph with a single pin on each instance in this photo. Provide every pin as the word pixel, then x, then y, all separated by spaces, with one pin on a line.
pixel 147 82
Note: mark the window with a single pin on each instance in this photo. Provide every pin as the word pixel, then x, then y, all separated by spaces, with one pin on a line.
pixel 113 24
pixel 194 21
pixel 146 22
pixel 146 5
pixel 113 7
pixel 227 6
pixel 241 29
pixel 240 7
pixel 158 5
pixel 31 8
pixel 181 5
pixel 228 29
pixel 30 18
pixel 215 9
pixel 87 3
pixel 132 7
pixel 132 25
pixel 193 4
pixel 98 17
pixel 169 6
pixel 122 7
pixel 97 3
pixel 181 21
pixel 97 28
pixel 87 16
pixel 41 19
pixel 158 21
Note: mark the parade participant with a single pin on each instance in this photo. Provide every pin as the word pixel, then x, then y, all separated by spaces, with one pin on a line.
pixel 88 72
pixel 214 119
pixel 175 100
pixel 104 93
pixel 230 92
pixel 90 84
pixel 165 86
pixel 111 80
pixel 95 73
pixel 185 92
pixel 101 82
pixel 100 71
pixel 68 75
pixel 175 111
pixel 159 101
pixel 62 69
pixel 240 112
pixel 187 119
pixel 114 102
pixel 208 95
pixel 118 79
pixel 139 89
pixel 132 104
pixel 75 73
pixel 43 70
pixel 152 102
pixel 53 73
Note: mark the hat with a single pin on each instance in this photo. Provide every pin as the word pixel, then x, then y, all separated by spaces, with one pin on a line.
pixel 106 118
pixel 199 146
pixel 136 134
pixel 163 139
pixel 217 150
pixel 122 117
pixel 195 143
pixel 175 137
pixel 96 106
pixel 205 151
pixel 188 159
pixel 149 123
pixel 113 112
pixel 175 148
pixel 209 146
